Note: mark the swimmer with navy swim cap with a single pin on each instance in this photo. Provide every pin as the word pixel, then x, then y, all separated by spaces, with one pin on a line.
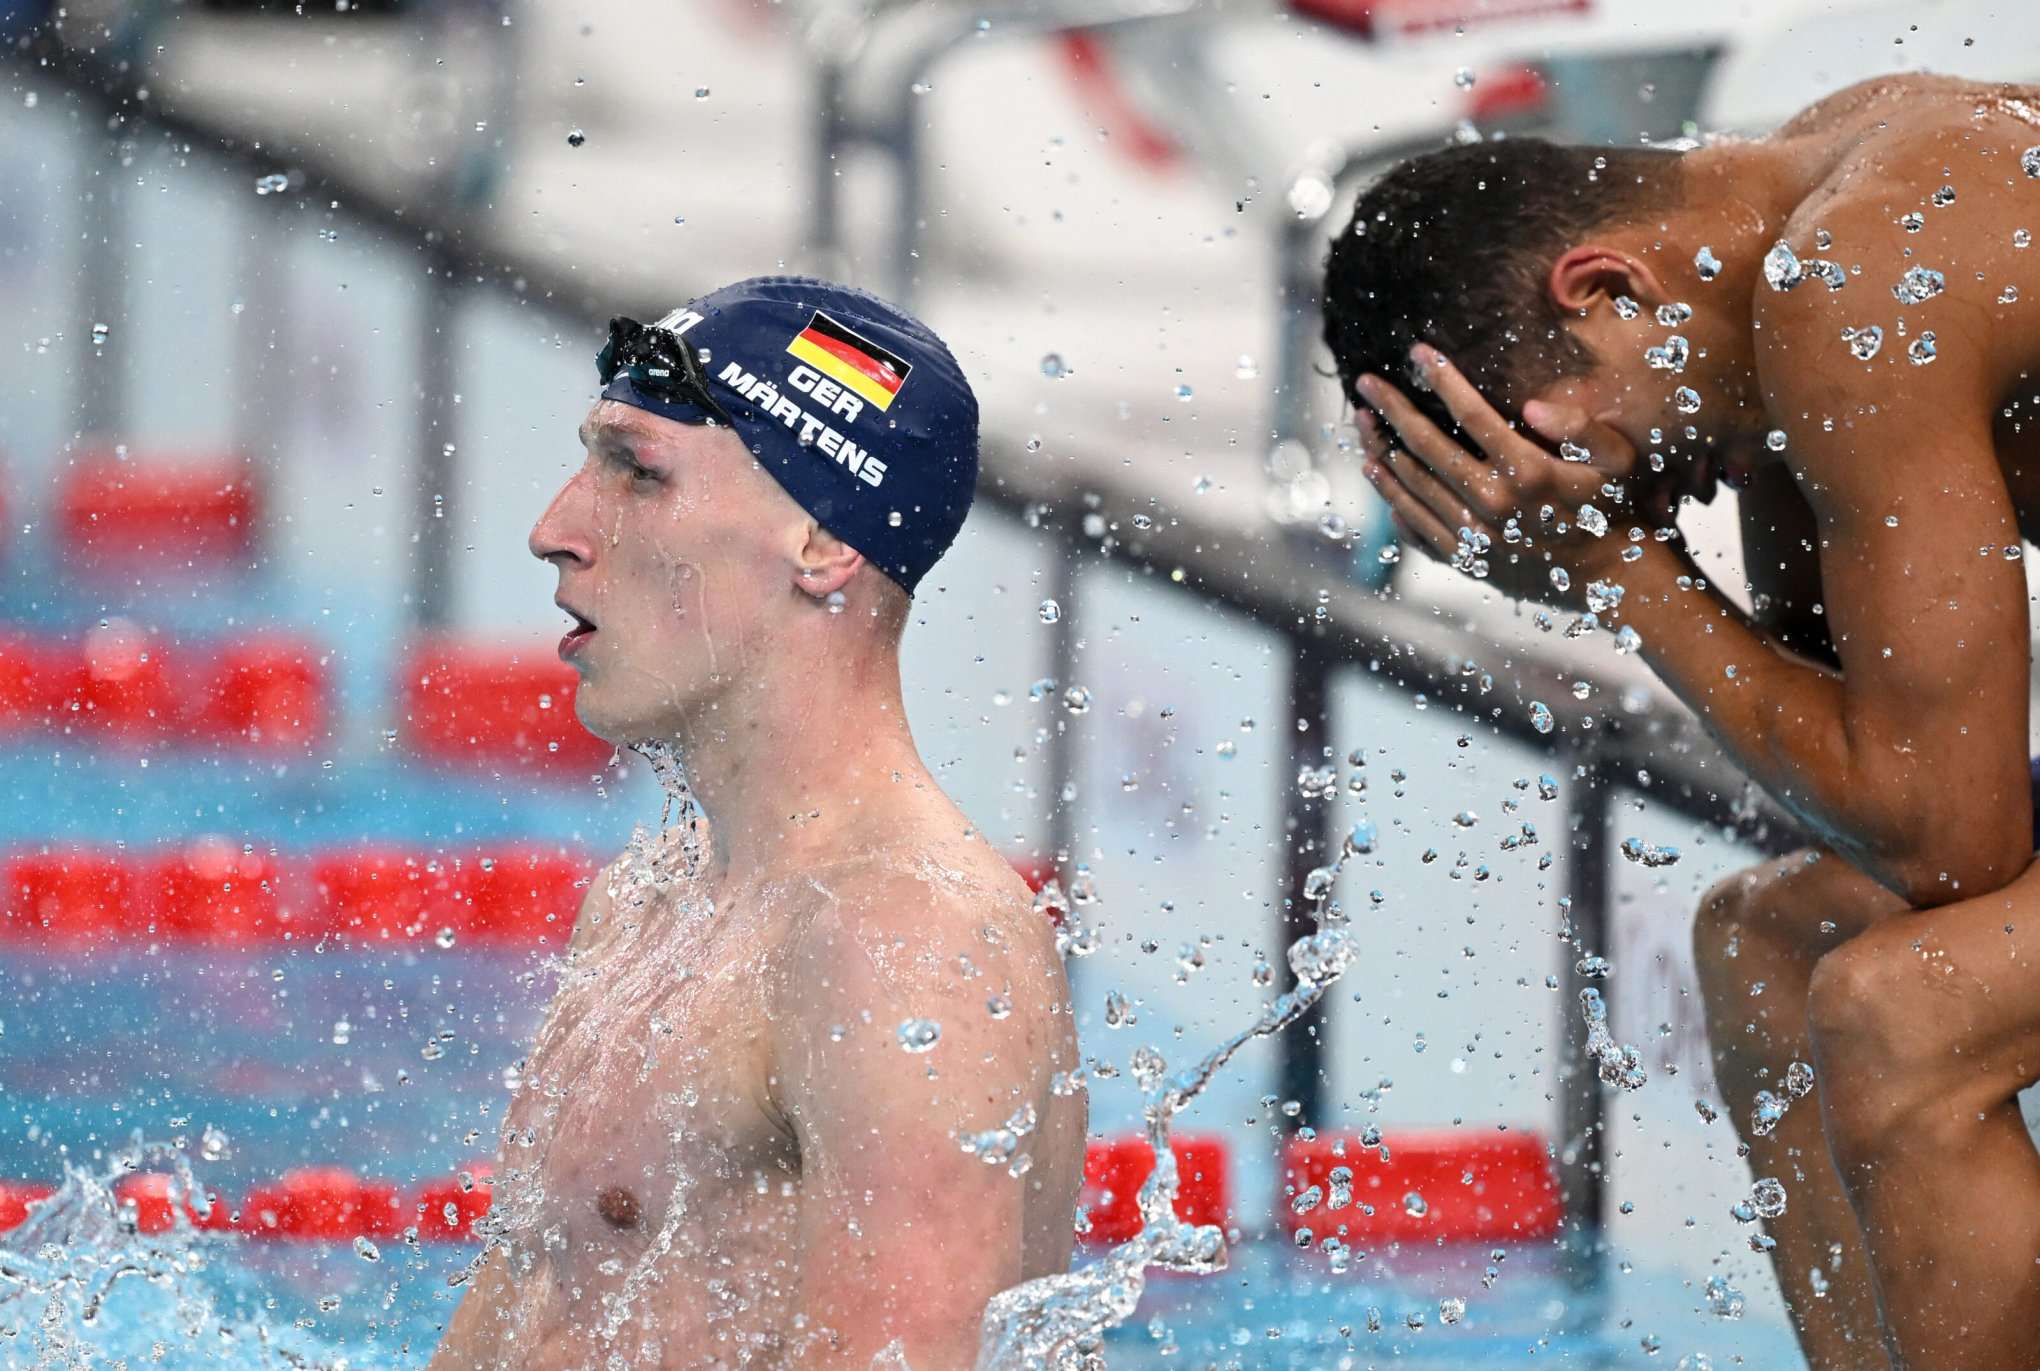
pixel 735 1139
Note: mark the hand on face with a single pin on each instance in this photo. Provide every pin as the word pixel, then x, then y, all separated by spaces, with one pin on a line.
pixel 1514 513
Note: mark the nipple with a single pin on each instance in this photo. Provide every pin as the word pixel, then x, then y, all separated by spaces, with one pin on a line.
pixel 619 1206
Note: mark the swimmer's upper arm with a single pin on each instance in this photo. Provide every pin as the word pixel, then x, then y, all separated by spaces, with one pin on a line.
pixel 1781 562
pixel 903 1235
pixel 1928 722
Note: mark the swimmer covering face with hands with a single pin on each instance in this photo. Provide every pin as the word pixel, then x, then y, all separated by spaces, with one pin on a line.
pixel 739 1138
pixel 1840 320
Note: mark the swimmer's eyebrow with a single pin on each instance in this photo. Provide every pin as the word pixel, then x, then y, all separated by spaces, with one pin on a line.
pixel 608 436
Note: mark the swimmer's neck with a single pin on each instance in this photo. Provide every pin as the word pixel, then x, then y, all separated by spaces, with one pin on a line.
pixel 803 764
pixel 1735 200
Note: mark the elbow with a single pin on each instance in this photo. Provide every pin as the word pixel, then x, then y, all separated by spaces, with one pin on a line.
pixel 1950 865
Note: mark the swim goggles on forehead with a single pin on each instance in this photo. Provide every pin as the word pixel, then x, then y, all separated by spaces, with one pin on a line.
pixel 659 364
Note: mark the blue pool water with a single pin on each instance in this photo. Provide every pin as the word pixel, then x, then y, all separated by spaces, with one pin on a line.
pixel 390 1062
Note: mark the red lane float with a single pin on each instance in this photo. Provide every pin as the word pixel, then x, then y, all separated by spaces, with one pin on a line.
pixel 113 514
pixel 123 685
pixel 1116 1168
pixel 214 892
pixel 1471 1188
pixel 484 705
pixel 312 1204
pixel 16 1197
pixel 323 1203
pixel 210 891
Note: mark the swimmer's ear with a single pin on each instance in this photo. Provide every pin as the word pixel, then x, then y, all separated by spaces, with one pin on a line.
pixel 825 563
pixel 1595 273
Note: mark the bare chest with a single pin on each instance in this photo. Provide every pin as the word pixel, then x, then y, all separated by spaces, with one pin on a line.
pixel 644 1120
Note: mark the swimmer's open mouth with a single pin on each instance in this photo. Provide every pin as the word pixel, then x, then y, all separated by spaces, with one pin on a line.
pixel 580 633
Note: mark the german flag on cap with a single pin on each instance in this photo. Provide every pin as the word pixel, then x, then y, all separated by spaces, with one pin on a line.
pixel 859 364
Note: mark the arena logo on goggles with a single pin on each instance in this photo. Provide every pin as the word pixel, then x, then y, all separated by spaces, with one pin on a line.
pixel 764 393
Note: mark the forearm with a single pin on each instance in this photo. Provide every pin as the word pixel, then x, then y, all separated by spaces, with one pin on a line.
pixel 1782 718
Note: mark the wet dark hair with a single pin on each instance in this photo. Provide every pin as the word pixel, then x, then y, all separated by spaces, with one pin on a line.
pixel 1453 248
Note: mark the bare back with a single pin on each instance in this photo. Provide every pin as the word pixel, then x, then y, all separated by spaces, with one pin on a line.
pixel 1881 153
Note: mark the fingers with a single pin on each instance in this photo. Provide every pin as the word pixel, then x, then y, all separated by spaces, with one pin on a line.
pixel 1470 478
pixel 1471 409
pixel 1416 522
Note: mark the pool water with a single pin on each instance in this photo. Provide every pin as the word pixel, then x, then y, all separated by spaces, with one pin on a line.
pixel 389 1060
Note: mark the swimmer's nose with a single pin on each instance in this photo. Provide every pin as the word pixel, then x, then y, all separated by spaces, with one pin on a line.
pixel 561 532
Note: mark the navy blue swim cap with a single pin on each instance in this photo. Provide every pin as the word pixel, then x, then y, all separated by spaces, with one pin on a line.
pixel 856 408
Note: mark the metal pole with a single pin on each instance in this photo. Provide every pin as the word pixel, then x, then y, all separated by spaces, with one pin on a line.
pixel 100 404
pixel 432 495
pixel 825 221
pixel 1306 829
pixel 1583 1175
pixel 1062 748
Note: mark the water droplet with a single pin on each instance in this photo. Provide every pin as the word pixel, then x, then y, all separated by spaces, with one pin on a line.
pixel 998 1006
pixel 1246 369
pixel 1463 78
pixel 1799 1080
pixel 1649 854
pixel 275 183
pixel 1415 1205
pixel 1912 221
pixel 2021 238
pixel 701 92
pixel 1767 1196
pixel 893 519
pixel 1077 699
pixel 1686 400
pixel 834 600
pixel 1451 1309
pixel 1674 314
pixel 1863 342
pixel 1593 520
pixel 1775 440
pixel 1707 264
pixel 919 1035
pixel 1919 284
pixel 1828 273
pixel 1226 749
pixel 1921 350
pixel 1183 392
pixel 1781 267
pixel 1050 611
pixel 1626 308
pixel 1332 527
pixel 1119 1011
pixel 575 138
pixel 1943 197
pixel 1670 357
pixel 366 1250
pixel 1540 716
pixel 445 938
pixel 99 334
pixel 1053 366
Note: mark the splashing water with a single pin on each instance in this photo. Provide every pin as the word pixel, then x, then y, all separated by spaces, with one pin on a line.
pixel 1057 1323
pixel 67 1300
